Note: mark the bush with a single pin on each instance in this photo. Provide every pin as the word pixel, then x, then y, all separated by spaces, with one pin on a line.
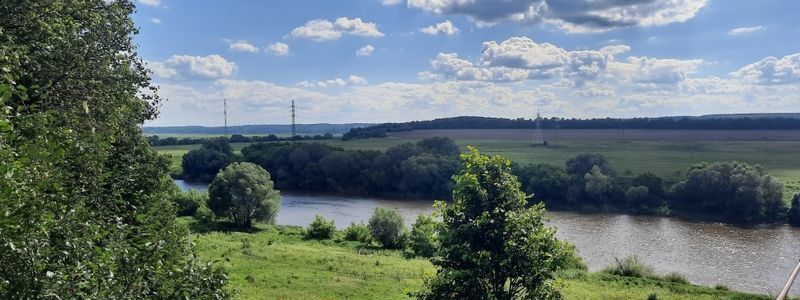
pixel 320 228
pixel 187 202
pixel 629 266
pixel 424 236
pixel 358 232
pixel 386 227
pixel 676 277
pixel 244 193
pixel 568 257
pixel 204 214
pixel 794 211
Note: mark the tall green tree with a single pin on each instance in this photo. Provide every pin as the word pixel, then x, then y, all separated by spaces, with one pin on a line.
pixel 244 193
pixel 83 198
pixel 493 246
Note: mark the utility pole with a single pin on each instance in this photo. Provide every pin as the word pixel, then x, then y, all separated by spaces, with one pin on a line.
pixel 538 138
pixel 293 117
pixel 225 114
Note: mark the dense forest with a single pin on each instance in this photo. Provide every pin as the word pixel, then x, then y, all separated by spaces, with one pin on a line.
pixel 235 138
pixel 767 122
pixel 305 129
pixel 732 191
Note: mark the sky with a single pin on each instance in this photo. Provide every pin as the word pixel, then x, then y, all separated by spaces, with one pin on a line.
pixel 401 60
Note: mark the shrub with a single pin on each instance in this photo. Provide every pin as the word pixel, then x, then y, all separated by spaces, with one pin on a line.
pixel 794 211
pixel 244 193
pixel 721 287
pixel 358 232
pixel 204 214
pixel 652 296
pixel 424 236
pixel 187 202
pixel 568 257
pixel 320 228
pixel 386 227
pixel 676 277
pixel 629 266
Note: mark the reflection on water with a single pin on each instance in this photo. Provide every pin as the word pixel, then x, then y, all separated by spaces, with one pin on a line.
pixel 708 253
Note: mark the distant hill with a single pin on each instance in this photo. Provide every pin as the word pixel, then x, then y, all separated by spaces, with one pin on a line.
pixel 302 129
pixel 751 116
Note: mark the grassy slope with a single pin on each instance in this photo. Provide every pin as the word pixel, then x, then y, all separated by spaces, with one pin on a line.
pixel 665 158
pixel 282 265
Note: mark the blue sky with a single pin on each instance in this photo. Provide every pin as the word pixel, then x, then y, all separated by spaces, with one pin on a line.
pixel 393 60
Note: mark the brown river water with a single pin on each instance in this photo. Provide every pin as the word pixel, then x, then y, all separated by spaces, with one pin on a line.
pixel 755 260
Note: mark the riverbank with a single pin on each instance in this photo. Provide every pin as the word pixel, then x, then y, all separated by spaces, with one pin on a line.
pixel 276 262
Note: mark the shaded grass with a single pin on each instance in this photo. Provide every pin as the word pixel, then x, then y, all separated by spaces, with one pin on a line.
pixel 275 262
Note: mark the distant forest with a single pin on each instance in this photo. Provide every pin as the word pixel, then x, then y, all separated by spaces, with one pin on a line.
pixel 726 122
pixel 304 129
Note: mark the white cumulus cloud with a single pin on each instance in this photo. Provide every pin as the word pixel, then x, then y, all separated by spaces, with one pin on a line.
pixel 153 3
pixel 350 80
pixel 325 30
pixel 155 20
pixel 278 49
pixel 391 2
pixel 365 51
pixel 445 27
pixel 772 70
pixel 187 66
pixel 242 46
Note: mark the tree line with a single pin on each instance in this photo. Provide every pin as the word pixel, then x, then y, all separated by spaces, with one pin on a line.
pixel 732 191
pixel 468 122
pixel 155 140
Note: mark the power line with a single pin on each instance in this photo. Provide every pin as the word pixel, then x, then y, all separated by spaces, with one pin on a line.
pixel 225 113
pixel 293 121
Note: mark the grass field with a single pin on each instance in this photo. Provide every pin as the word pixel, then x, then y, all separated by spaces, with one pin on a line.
pixel 277 263
pixel 668 158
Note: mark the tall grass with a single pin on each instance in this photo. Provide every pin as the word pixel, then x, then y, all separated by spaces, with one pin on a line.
pixel 630 266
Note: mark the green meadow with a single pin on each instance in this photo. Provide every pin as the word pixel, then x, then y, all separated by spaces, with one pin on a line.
pixel 276 262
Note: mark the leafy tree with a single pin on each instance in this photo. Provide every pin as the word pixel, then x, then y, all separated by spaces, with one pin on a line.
pixel 203 164
pixel 424 236
pixel 653 182
pixel 244 193
pixel 597 185
pixel 84 203
pixel 439 145
pixel 794 211
pixel 386 226
pixel 640 199
pixel 320 228
pixel 219 144
pixel 547 183
pixel 583 163
pixel 739 191
pixel 493 246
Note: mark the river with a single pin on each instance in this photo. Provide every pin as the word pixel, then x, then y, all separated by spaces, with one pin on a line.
pixel 708 253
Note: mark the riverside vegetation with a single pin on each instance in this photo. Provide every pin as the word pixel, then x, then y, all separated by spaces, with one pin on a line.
pixel 731 191
pixel 382 259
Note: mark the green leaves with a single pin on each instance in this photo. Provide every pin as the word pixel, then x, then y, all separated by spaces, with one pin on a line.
pixel 492 245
